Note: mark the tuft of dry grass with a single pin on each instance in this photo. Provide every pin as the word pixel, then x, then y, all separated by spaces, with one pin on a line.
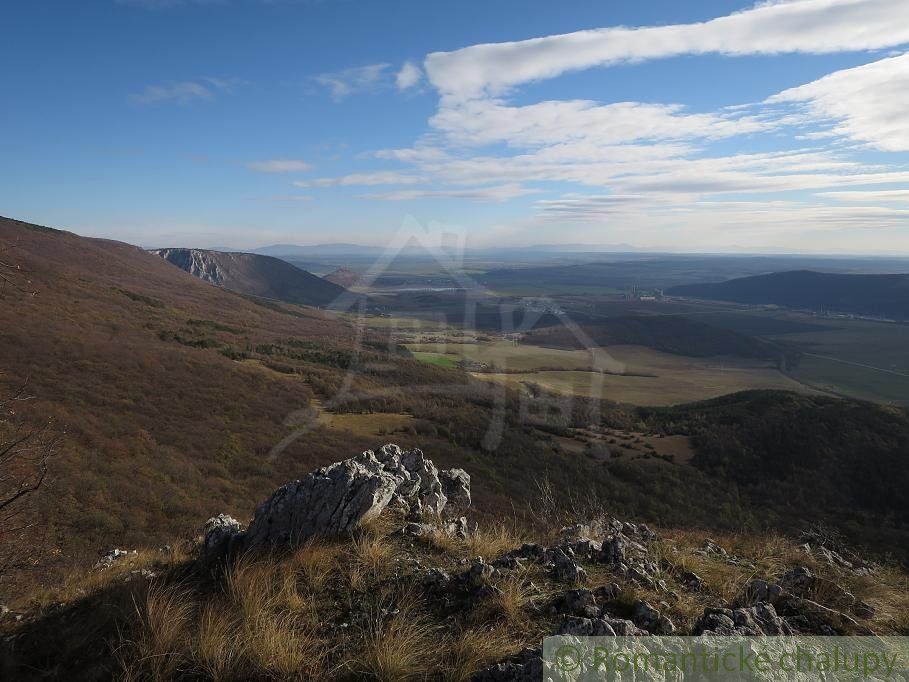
pixel 165 619
pixel 508 602
pixel 397 645
pixel 217 643
pixel 315 562
pixel 284 645
pixel 491 541
pixel 470 649
pixel 371 552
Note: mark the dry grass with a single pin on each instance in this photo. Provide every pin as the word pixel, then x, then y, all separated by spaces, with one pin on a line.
pixel 489 542
pixel 335 610
pixel 508 603
pixel 471 648
pixel 165 620
pixel 371 553
pixel 315 563
pixel 397 645
pixel 217 644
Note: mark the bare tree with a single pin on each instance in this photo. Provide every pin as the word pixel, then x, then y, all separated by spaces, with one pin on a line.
pixel 25 454
pixel 26 449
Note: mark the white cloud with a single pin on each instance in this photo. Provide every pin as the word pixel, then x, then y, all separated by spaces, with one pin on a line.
pixel 885 195
pixel 377 178
pixel 811 26
pixel 409 76
pixel 186 92
pixel 490 121
pixel 866 103
pixel 496 193
pixel 341 84
pixel 279 166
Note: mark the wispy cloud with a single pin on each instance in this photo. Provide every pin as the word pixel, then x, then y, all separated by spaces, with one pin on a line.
pixel 341 84
pixel 186 92
pixel 376 178
pixel 867 103
pixel 408 76
pixel 809 26
pixel 279 166
pixel 497 193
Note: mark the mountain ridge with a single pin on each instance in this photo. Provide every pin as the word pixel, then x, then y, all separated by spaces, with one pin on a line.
pixel 255 275
pixel 884 295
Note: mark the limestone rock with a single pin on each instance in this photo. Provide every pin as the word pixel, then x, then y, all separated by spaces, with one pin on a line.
pixel 650 619
pixel 346 494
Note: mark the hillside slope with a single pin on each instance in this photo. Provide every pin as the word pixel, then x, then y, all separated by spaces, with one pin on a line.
pixel 173 395
pixel 255 275
pixel 881 295
pixel 143 367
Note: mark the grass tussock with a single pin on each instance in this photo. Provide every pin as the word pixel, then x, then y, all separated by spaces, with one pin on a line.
pixel 489 542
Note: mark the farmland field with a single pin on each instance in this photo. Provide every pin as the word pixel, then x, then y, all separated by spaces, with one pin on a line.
pixel 632 374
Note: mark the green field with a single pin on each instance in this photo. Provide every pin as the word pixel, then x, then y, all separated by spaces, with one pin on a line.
pixel 436 359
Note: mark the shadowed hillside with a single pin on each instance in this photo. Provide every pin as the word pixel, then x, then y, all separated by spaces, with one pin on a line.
pixel 256 275
pixel 882 295
pixel 667 333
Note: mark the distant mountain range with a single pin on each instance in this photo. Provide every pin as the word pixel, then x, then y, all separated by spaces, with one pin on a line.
pixel 256 275
pixel 878 295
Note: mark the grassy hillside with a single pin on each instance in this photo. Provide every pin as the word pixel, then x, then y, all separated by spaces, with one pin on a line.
pixel 172 394
pixel 883 295
pixel 256 275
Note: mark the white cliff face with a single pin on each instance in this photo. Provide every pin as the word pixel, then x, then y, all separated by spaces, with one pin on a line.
pixel 198 263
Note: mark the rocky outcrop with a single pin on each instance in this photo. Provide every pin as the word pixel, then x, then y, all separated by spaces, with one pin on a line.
pixel 344 495
pixel 760 619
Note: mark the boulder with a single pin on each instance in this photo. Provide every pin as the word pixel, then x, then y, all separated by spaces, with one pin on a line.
pixel 580 602
pixel 346 494
pixel 456 487
pixel 565 568
pixel 760 619
pixel 650 619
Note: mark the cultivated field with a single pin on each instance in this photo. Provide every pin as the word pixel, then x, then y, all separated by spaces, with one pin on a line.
pixel 628 374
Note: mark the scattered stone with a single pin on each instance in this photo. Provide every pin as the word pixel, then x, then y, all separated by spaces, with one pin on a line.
pixel 761 591
pixel 613 550
pixel 456 487
pixel 798 580
pixel 112 557
pixel 650 619
pixel 417 530
pixel 580 602
pixel 586 627
pixel 565 568
pixel 760 619
pixel 607 593
pixel 221 535
pixel 525 667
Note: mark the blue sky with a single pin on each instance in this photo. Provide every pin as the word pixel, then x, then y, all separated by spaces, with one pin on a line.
pixel 703 125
